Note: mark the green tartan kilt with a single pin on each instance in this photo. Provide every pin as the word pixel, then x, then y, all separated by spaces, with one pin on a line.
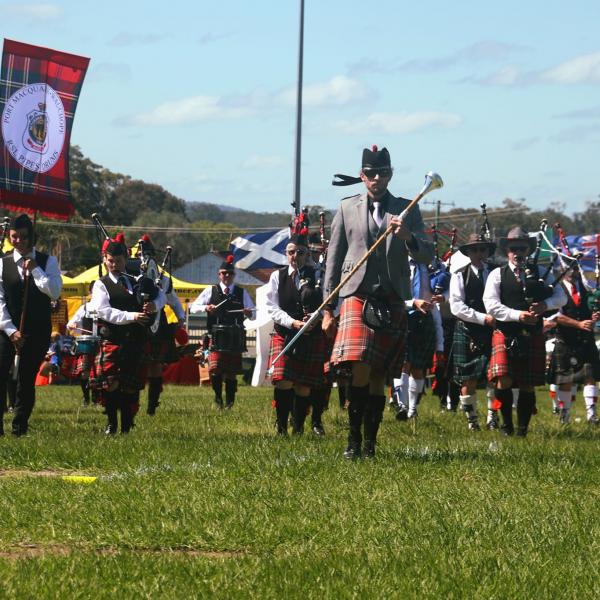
pixel 470 362
pixel 421 340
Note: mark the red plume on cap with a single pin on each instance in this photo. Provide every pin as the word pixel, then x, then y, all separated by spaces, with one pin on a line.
pixel 229 259
pixel 120 237
pixel 145 238
pixel 374 148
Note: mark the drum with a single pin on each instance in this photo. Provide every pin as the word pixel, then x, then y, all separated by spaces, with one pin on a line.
pixel 86 344
pixel 228 338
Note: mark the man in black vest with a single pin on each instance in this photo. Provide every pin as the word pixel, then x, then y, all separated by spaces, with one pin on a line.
pixel 124 316
pixel 226 306
pixel 518 358
pixel 472 342
pixel 575 359
pixel 25 330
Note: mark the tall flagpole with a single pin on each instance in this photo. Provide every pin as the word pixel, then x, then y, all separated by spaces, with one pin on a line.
pixel 298 157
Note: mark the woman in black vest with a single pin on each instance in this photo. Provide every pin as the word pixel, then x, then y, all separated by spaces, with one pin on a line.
pixel 291 297
pixel 518 356
pixel 472 341
pixel 575 359
pixel 33 339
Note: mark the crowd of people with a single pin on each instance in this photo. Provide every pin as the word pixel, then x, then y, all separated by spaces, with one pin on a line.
pixel 386 319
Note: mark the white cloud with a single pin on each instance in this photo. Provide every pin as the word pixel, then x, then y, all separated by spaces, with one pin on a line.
pixel 403 122
pixel 262 162
pixel 187 110
pixel 35 12
pixel 581 69
pixel 338 91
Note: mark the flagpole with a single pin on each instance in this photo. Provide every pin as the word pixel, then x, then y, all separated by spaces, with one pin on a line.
pixel 298 154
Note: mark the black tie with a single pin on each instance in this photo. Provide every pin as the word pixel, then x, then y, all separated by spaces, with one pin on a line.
pixel 123 282
pixel 480 275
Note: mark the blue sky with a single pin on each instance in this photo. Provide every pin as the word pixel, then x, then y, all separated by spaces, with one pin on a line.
pixel 502 99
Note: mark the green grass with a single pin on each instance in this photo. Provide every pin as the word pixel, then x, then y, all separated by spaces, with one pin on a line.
pixel 197 503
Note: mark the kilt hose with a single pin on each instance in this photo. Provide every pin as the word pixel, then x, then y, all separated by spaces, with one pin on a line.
pixel 470 359
pixel 526 369
pixel 382 349
pixel 571 364
pixel 306 367
pixel 421 340
pixel 125 363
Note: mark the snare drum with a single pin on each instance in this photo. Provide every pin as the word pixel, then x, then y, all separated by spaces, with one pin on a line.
pixel 228 338
pixel 86 344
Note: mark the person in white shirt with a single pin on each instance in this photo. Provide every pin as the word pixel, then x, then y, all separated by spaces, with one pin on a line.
pixel 472 341
pixel 518 356
pixel 226 305
pixel 25 328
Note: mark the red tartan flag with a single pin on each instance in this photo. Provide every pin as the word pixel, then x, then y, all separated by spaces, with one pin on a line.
pixel 39 89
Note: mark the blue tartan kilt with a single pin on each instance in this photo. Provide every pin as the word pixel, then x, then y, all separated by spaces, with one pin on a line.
pixel 470 360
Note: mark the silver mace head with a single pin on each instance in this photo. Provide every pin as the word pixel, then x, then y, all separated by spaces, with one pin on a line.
pixel 433 181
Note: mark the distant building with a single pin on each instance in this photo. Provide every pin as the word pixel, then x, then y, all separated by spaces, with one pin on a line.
pixel 205 268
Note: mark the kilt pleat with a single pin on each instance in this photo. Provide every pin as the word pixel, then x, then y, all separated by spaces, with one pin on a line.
pixel 469 362
pixel 526 369
pixel 125 362
pixel 420 344
pixel 357 342
pixel 306 369
pixel 575 364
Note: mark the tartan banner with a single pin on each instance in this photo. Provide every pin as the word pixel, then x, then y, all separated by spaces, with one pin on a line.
pixel 39 89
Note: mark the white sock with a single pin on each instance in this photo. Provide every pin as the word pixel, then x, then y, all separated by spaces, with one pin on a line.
pixel 415 387
pixel 401 389
pixel 515 393
pixel 564 400
pixel 490 395
pixel 467 403
pixel 553 390
pixel 590 395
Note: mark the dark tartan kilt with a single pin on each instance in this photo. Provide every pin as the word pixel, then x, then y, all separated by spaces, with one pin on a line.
pixel 224 362
pixel 125 362
pixel 80 365
pixel 305 370
pixel 574 364
pixel 526 370
pixel 421 341
pixel 468 362
pixel 355 341
pixel 162 348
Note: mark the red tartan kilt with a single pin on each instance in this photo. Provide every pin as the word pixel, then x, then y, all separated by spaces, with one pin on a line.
pixel 525 371
pixel 307 370
pixel 162 349
pixel 224 362
pixel 80 365
pixel 356 342
pixel 126 363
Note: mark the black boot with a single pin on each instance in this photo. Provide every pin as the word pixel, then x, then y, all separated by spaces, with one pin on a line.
pixel 505 398
pixel 524 412
pixel 372 418
pixel 230 390
pixel 85 390
pixel 154 390
pixel 111 413
pixel 299 410
pixel 342 395
pixel 126 416
pixel 283 405
pixel 318 400
pixel 358 398
pixel 217 385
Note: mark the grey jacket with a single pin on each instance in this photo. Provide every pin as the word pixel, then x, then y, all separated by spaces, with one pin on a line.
pixel 350 242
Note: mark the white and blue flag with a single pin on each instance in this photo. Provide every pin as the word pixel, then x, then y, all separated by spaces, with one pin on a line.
pixel 259 251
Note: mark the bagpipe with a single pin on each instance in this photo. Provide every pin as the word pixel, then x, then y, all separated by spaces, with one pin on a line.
pixel 594 296
pixel 439 270
pixel 534 286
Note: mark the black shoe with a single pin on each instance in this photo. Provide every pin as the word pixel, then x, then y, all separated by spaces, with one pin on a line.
pixel 352 453
pixel 402 415
pixel 218 403
pixel 369 450
pixel 229 405
pixel 507 431
pixel 318 430
pixel 521 432
pixel 110 430
pixel 18 430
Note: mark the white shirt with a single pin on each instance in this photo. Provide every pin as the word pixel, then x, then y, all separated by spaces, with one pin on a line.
pixel 100 302
pixel 48 282
pixel 203 300
pixel 458 306
pixel 279 316
pixel 501 312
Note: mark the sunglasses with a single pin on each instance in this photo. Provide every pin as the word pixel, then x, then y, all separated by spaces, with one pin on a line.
pixel 481 248
pixel 518 248
pixel 298 252
pixel 371 173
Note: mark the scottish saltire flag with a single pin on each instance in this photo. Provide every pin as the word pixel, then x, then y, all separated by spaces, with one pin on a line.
pixel 262 252
pixel 588 245
pixel 39 89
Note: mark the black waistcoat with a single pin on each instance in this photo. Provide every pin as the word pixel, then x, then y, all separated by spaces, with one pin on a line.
pixel 121 299
pixel 474 299
pixel 570 335
pixel 289 296
pixel 37 320
pixel 221 316
pixel 513 296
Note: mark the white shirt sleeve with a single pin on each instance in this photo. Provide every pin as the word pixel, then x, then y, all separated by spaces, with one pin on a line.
pixel 459 308
pixel 77 319
pixel 6 323
pixel 100 302
pixel 248 303
pixel 201 302
pixel 49 281
pixel 280 317
pixel 491 299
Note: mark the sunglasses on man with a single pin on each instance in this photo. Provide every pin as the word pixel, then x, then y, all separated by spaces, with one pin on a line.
pixel 372 173
pixel 518 249
pixel 298 252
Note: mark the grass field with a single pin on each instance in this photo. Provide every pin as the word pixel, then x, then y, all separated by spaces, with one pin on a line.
pixel 197 503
